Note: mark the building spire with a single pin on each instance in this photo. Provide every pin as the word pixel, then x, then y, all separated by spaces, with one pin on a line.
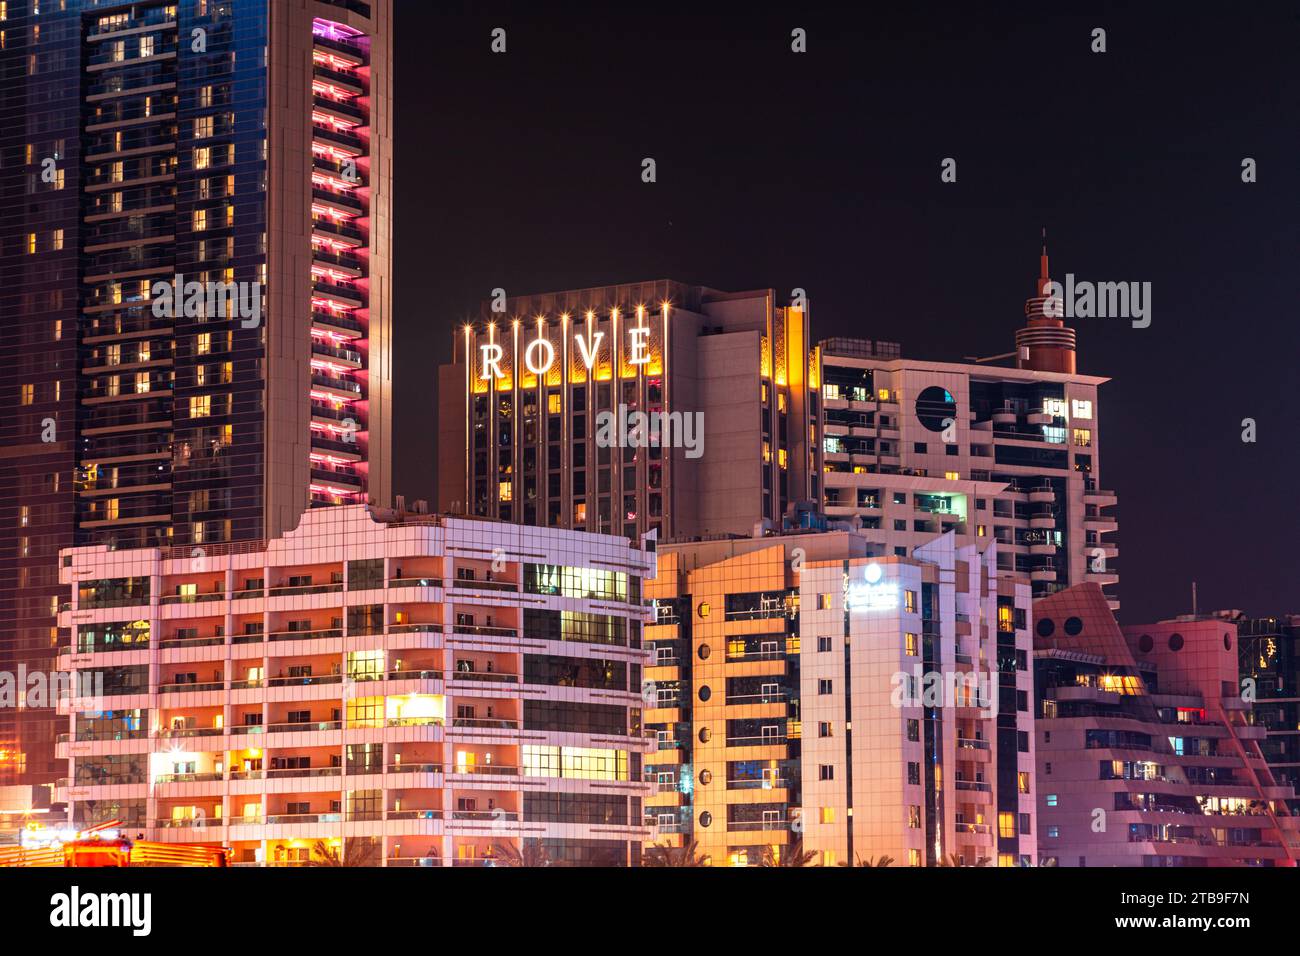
pixel 1044 344
pixel 1044 277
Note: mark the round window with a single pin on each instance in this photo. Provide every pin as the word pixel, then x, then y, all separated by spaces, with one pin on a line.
pixel 1175 642
pixel 1073 626
pixel 1045 627
pixel 706 818
pixel 705 735
pixel 705 692
pixel 704 652
pixel 1227 641
pixel 1145 643
pixel 935 407
pixel 703 609
pixel 706 777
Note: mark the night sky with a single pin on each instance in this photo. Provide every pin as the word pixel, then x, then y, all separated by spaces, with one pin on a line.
pixel 821 170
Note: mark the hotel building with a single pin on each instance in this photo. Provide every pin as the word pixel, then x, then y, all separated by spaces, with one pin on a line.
pixel 815 687
pixel 409 690
pixel 838 423
pixel 1034 429
pixel 520 407
pixel 194 270
pixel 1147 754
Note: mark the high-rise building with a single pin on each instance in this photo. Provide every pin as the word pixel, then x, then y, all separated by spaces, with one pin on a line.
pixel 815 689
pixel 1034 429
pixel 194 273
pixel 725 378
pixel 407 690
pixel 1268 662
pixel 1147 754
pixel 836 423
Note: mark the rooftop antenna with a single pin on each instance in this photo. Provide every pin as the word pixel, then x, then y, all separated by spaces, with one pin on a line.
pixel 1193 599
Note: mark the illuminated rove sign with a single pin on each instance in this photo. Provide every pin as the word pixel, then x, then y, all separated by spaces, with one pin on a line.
pixel 872 594
pixel 539 353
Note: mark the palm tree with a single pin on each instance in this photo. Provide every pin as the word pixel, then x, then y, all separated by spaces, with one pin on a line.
pixel 952 859
pixel 791 855
pixel 879 861
pixel 532 854
pixel 662 854
pixel 357 853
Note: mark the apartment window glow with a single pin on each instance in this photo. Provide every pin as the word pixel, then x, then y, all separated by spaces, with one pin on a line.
pixel 1082 408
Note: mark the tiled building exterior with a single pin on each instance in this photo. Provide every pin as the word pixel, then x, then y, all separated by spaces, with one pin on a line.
pixel 408 690
pixel 794 706
pixel 1147 755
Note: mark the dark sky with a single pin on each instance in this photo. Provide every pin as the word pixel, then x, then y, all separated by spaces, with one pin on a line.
pixel 821 171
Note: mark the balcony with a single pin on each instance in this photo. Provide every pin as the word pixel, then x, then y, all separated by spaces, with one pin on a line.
pixel 484 631
pixel 299 728
pixel 290 589
pixel 327 634
pixel 340 386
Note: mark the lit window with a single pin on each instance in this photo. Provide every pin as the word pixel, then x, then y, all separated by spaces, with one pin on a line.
pixel 202 127
pixel 31 243
pixel 56 239
pixel 1083 437
pixel 1082 408
pixel 828 814
pixel 146 46
pixel 1006 825
pixel 553 403
pixel 909 600
pixel 202 157
pixel 825 602
pixel 1050 800
pixel 1022 781
pixel 200 406
pixel 910 645
pixel 951 475
pixel 1054 407
pixel 884 394
pixel 203 345
pixel 200 220
pixel 504 491
pixel 26 393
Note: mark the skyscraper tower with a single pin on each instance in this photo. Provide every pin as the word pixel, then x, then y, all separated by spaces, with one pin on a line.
pixel 194 278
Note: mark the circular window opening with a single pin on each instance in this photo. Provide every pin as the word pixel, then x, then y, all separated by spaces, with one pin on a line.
pixel 1227 641
pixel 1175 642
pixel 706 818
pixel 705 693
pixel 703 609
pixel 1045 627
pixel 1073 626
pixel 935 407
pixel 1145 643
pixel 704 652
pixel 705 735
pixel 706 777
